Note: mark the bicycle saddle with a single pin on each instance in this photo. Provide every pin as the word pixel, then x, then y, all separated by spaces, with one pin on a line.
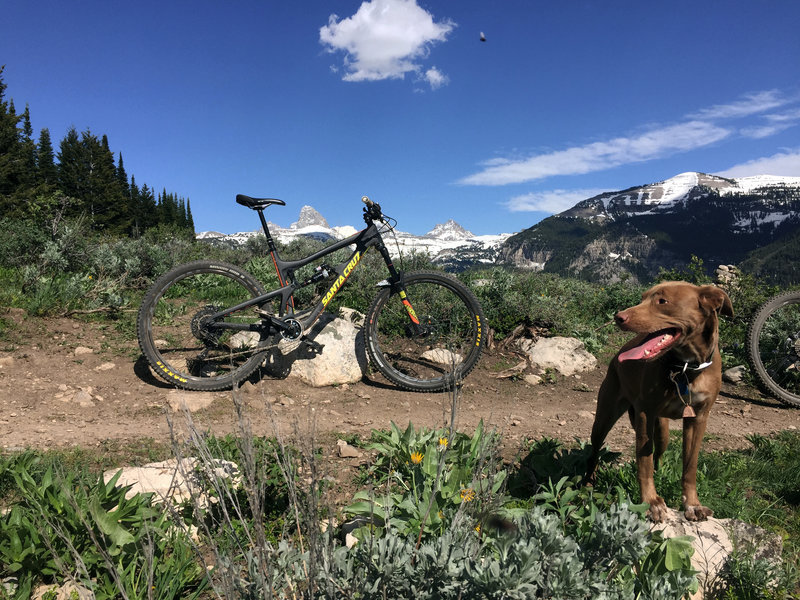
pixel 257 203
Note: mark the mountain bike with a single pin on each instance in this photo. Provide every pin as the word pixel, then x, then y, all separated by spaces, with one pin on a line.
pixel 208 325
pixel 773 347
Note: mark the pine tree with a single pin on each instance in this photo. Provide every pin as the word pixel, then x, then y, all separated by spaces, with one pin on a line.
pixel 47 173
pixel 27 157
pixel 189 219
pixel 122 178
pixel 147 208
pixel 73 175
pixel 11 170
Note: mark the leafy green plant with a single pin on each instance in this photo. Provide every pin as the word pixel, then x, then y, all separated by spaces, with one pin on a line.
pixel 428 476
pixel 86 528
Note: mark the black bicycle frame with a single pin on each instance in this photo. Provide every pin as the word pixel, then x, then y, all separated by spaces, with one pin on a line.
pixel 363 240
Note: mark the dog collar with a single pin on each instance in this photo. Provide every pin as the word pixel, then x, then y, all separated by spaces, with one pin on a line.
pixel 683 377
pixel 688 367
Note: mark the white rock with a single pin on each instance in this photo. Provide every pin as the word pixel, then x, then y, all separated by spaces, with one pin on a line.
pixel 714 541
pixel 568 356
pixel 442 356
pixel 343 359
pixel 179 400
pixel 173 480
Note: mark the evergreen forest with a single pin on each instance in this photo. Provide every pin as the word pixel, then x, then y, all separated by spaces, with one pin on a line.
pixel 42 186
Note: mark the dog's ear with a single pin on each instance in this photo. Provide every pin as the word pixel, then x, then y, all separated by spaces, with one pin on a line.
pixel 714 298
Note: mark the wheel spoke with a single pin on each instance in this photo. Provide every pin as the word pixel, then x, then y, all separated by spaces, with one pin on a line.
pixel 438 350
pixel 178 328
pixel 774 346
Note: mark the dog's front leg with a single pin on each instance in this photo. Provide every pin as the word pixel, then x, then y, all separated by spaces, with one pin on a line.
pixel 645 424
pixel 693 430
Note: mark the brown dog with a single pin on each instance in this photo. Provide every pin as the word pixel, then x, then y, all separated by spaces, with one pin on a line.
pixel 671 370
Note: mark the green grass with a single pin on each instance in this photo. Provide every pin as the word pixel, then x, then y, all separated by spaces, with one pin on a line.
pixel 759 485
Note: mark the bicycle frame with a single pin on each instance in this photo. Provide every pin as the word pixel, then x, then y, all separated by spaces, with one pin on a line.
pixel 363 240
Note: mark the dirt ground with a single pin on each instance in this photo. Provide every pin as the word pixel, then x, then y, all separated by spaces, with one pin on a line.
pixel 66 382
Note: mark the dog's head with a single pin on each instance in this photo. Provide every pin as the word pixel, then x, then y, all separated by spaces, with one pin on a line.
pixel 674 315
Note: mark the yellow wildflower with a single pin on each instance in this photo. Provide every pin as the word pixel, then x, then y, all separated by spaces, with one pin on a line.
pixel 442 443
pixel 467 494
pixel 416 457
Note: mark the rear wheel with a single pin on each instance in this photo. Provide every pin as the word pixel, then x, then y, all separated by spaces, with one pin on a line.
pixel 439 351
pixel 181 340
pixel 773 346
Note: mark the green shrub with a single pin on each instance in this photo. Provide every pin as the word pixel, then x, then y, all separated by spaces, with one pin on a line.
pixel 422 479
pixel 63 526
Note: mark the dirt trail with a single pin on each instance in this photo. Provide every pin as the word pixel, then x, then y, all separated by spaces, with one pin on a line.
pixel 67 382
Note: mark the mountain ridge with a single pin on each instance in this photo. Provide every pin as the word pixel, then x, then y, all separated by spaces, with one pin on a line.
pixel 631 233
pixel 635 233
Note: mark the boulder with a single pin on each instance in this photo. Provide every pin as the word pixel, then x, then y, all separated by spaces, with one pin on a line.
pixel 174 480
pixel 734 375
pixel 568 356
pixel 714 540
pixel 343 358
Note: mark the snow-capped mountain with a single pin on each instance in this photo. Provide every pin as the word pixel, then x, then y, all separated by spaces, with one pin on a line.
pixel 635 232
pixel 448 243
pixel 674 193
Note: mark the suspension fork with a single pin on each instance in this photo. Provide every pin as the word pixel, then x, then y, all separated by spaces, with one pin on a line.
pixel 398 287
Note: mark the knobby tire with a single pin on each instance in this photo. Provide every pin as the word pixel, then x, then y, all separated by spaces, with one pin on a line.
pixel 172 332
pixel 773 347
pixel 446 346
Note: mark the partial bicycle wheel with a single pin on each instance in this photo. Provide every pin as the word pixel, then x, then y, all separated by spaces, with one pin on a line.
pixel 184 344
pixel 773 346
pixel 442 349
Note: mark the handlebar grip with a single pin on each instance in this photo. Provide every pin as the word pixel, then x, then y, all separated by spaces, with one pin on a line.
pixel 367 201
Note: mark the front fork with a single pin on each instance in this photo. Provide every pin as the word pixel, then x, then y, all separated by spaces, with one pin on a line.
pixel 397 284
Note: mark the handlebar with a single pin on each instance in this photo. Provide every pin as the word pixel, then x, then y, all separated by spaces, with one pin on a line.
pixel 373 210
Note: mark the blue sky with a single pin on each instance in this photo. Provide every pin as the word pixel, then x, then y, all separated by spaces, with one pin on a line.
pixel 320 102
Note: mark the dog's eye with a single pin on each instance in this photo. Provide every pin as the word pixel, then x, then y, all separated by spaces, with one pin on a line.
pixel 662 301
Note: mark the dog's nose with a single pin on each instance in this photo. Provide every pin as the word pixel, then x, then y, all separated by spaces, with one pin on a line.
pixel 620 318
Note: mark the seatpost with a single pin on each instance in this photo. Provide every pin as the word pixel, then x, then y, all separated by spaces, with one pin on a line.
pixel 270 241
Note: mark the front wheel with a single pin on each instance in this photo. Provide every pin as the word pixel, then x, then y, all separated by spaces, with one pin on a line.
pixel 183 336
pixel 773 347
pixel 441 347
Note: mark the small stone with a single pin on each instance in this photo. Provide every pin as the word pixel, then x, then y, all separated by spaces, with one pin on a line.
pixel 532 379
pixel 83 350
pixel 345 450
pixel 734 375
pixel 83 399
pixel 191 401
pixel 106 366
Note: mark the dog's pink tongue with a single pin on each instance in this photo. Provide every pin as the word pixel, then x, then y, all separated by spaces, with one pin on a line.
pixel 652 346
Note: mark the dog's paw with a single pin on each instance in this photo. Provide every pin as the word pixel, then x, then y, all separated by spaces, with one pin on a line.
pixel 658 510
pixel 697 513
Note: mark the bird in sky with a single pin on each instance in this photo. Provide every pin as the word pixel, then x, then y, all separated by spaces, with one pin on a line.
pixel 483 37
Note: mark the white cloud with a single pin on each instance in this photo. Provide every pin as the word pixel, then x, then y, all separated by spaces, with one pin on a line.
pixel 436 78
pixel 785 163
pixel 764 131
pixel 385 39
pixel 776 122
pixel 601 155
pixel 551 201
pixel 791 116
pixel 749 105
